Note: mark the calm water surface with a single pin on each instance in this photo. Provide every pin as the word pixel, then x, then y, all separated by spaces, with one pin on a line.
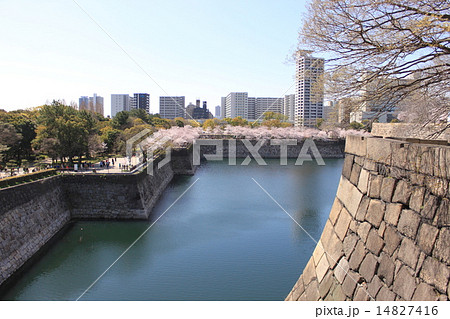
pixel 225 239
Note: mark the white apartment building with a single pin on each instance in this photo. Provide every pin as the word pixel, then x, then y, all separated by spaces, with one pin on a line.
pixel 268 104
pixel 119 103
pixel 309 90
pixel 171 107
pixel 236 104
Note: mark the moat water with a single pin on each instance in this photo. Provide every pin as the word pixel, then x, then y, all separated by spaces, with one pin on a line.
pixel 225 239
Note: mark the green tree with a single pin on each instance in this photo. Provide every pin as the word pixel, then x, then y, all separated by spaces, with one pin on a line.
pixel 120 120
pixel 25 125
pixel 8 137
pixel 239 121
pixel 69 127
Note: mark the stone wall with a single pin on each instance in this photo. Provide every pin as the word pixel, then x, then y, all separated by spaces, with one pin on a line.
pixel 115 196
pixel 410 130
pixel 30 215
pixel 387 235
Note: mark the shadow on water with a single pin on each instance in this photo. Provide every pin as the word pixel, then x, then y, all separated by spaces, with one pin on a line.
pixel 225 239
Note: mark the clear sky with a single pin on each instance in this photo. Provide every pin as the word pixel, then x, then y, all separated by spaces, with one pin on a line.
pixel 202 49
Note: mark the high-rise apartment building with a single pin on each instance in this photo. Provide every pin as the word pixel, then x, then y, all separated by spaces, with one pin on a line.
pixel 140 101
pixel 236 104
pixel 251 109
pixel 119 103
pixel 268 104
pixel 289 107
pixel 171 107
pixel 309 90
pixel 83 103
pixel 91 103
pixel 217 111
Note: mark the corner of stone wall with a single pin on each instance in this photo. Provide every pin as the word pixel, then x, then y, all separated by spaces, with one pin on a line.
pixel 387 234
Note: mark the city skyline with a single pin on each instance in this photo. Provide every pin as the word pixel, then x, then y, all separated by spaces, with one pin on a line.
pixel 198 54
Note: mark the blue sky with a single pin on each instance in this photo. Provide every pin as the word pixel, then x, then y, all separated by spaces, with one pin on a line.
pixel 199 49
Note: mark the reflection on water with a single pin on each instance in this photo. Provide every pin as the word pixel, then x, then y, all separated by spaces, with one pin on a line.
pixel 225 239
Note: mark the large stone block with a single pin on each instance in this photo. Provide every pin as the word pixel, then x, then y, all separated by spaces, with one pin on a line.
pixel 342 224
pixel 349 244
pixel 387 189
pixel 312 291
pixel 375 182
pixel 337 294
pixel 341 270
pixel 363 231
pixel 429 207
pixel 437 186
pixel 404 284
pixel 402 192
pixel 408 253
pixel 442 250
pixel 416 200
pixel 374 286
pixel 354 176
pixel 363 181
pixel 408 223
pixel 349 284
pixel 426 238
pixel 309 273
pixel 326 284
pixel 385 295
pixel 435 274
pixel 393 211
pixel 349 195
pixel 347 167
pixel 391 240
pixel 335 210
pixel 379 150
pixel 368 267
pixel 356 145
pixel 318 252
pixel 333 249
pixel 442 217
pixel 386 269
pixel 425 292
pixel 361 294
pixel 375 212
pixel 374 242
pixel 362 209
pixel 357 256
pixel 322 268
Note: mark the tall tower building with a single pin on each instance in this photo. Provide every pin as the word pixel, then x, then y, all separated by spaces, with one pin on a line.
pixel 289 107
pixel 171 107
pixel 91 103
pixel 141 101
pixel 217 112
pixel 96 104
pixel 83 103
pixel 309 90
pixel 119 103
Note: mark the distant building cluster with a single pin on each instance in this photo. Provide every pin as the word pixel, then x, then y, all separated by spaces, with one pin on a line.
pixel 91 103
pixel 253 108
pixel 124 102
pixel 171 107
